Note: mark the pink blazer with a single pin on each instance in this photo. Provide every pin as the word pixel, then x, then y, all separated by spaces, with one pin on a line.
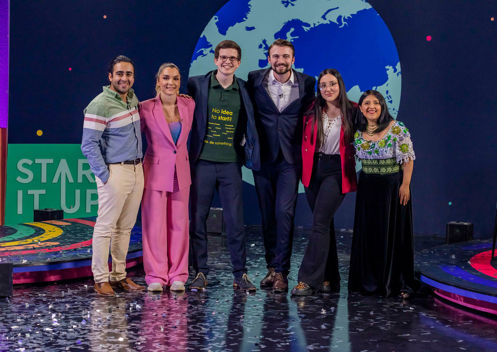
pixel 347 152
pixel 162 156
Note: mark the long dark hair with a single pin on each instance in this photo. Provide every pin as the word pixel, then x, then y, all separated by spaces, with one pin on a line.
pixel 384 118
pixel 343 102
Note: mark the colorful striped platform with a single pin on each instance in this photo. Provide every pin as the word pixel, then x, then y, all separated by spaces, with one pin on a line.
pixel 461 273
pixel 55 250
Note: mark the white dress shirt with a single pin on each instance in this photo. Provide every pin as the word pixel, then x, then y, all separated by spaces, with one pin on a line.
pixel 282 94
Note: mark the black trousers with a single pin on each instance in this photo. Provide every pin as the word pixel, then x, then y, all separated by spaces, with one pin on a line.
pixel 324 194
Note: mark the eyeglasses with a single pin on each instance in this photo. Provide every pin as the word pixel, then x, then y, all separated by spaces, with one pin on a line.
pixel 323 86
pixel 230 58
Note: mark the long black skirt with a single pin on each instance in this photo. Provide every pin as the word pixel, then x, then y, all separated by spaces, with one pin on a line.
pixel 382 256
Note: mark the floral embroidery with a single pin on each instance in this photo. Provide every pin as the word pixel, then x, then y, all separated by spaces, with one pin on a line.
pixel 404 148
pixel 395 144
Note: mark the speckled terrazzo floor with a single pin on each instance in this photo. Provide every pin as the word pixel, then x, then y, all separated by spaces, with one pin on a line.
pixel 70 316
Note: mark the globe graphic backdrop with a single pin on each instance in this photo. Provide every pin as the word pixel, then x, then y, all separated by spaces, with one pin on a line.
pixel 348 35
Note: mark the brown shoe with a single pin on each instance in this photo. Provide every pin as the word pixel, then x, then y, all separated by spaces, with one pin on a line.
pixel 268 280
pixel 280 284
pixel 127 285
pixel 104 289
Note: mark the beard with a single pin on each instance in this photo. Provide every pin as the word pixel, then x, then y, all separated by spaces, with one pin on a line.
pixel 281 69
pixel 120 90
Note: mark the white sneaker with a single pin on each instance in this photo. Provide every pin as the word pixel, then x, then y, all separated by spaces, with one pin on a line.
pixel 177 286
pixel 155 287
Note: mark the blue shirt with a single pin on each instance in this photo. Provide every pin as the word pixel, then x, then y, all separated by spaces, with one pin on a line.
pixel 175 128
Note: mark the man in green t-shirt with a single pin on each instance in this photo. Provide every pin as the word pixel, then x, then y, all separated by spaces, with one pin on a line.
pixel 223 137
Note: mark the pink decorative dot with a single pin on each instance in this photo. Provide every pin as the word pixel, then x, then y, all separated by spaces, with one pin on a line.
pixel 428 38
pixel 70 68
pixel 492 19
pixel 104 16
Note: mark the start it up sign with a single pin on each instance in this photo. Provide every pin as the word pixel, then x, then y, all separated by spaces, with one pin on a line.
pixel 48 176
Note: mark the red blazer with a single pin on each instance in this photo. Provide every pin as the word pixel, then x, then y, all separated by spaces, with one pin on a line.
pixel 162 156
pixel 347 152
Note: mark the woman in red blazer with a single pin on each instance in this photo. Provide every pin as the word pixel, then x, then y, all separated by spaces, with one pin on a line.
pixel 166 122
pixel 328 173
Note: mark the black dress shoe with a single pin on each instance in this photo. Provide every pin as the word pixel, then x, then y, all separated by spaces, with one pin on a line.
pixel 199 283
pixel 268 280
pixel 243 283
pixel 302 289
pixel 327 287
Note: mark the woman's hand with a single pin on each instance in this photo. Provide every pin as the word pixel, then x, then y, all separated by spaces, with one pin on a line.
pixel 404 194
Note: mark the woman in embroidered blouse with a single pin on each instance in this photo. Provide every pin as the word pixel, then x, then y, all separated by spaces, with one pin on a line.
pixel 382 259
pixel 166 121
pixel 328 173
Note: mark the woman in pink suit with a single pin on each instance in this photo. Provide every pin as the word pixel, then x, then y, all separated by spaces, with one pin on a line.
pixel 166 122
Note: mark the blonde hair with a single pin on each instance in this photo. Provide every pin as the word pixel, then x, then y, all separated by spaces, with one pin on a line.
pixel 161 68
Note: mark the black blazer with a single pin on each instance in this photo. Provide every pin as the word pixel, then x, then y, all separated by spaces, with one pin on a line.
pixel 280 130
pixel 198 88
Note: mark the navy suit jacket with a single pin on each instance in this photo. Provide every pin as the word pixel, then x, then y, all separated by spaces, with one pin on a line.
pixel 198 88
pixel 280 130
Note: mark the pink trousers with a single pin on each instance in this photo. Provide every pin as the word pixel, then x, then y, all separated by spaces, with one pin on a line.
pixel 165 236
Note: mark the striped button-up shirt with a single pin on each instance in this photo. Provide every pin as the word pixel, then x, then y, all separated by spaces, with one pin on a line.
pixel 111 131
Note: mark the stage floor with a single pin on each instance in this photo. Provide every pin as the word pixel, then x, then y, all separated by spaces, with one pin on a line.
pixel 461 273
pixel 70 316
pixel 55 250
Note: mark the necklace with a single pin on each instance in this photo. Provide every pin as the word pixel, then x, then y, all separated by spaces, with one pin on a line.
pixel 371 130
pixel 329 123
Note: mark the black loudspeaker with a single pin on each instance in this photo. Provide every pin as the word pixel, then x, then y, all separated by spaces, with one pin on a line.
pixel 214 223
pixel 6 279
pixel 48 214
pixel 458 232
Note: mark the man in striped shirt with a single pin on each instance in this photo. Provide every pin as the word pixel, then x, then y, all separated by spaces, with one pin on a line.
pixel 113 146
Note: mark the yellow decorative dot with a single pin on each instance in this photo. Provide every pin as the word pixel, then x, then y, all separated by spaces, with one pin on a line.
pixel 39 133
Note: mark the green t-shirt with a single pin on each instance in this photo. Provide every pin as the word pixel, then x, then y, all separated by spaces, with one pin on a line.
pixel 223 107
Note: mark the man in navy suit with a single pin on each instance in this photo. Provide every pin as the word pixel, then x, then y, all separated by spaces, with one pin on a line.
pixel 280 95
pixel 223 137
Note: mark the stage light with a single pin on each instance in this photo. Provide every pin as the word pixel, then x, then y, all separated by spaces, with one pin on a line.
pixel 428 38
pixel 70 68
pixel 39 133
pixel 105 17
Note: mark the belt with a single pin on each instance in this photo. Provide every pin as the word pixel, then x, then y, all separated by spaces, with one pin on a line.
pixel 129 162
pixel 327 156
